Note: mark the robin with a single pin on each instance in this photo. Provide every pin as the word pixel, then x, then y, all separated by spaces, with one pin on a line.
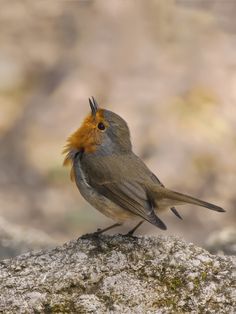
pixel 113 179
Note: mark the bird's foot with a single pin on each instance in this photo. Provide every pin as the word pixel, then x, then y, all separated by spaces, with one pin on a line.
pixel 130 234
pixel 99 231
pixel 90 235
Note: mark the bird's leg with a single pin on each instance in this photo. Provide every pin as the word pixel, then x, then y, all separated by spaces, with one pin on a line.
pixel 130 233
pixel 99 231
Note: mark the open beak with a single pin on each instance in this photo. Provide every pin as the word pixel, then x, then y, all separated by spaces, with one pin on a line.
pixel 93 105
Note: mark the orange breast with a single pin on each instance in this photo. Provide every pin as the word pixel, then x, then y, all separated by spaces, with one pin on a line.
pixel 86 137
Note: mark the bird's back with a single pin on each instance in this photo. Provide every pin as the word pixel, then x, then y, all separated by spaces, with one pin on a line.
pixel 117 168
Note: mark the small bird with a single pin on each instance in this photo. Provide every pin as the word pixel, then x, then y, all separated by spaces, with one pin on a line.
pixel 113 179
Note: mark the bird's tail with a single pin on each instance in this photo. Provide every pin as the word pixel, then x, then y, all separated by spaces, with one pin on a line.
pixel 167 197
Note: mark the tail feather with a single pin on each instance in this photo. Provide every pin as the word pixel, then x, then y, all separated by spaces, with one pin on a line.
pixel 175 198
pixel 174 211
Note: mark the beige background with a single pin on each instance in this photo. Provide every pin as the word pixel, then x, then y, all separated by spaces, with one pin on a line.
pixel 167 67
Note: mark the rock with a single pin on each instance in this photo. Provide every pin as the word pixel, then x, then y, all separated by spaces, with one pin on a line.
pixel 119 274
pixel 223 241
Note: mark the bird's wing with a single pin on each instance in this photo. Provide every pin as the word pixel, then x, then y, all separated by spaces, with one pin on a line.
pixel 132 197
pixel 172 208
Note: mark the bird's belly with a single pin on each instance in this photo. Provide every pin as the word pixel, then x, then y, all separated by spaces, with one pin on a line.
pixel 105 205
pixel 115 212
pixel 97 200
pixel 110 209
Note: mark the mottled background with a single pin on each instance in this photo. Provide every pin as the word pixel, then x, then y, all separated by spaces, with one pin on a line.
pixel 167 67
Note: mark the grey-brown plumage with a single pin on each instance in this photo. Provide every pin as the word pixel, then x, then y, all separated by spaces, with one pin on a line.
pixel 116 181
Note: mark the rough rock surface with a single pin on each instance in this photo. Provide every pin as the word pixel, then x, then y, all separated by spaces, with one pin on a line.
pixel 119 274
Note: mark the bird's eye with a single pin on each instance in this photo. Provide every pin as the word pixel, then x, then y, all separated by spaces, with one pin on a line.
pixel 101 126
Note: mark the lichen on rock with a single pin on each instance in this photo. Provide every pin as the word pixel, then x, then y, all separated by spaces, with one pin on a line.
pixel 119 274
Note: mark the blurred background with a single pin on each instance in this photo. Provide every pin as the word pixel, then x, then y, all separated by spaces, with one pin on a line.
pixel 168 67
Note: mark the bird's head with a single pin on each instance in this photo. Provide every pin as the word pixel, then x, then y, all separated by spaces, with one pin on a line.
pixel 103 132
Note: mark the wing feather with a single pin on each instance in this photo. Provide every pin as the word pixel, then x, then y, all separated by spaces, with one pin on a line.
pixel 132 197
